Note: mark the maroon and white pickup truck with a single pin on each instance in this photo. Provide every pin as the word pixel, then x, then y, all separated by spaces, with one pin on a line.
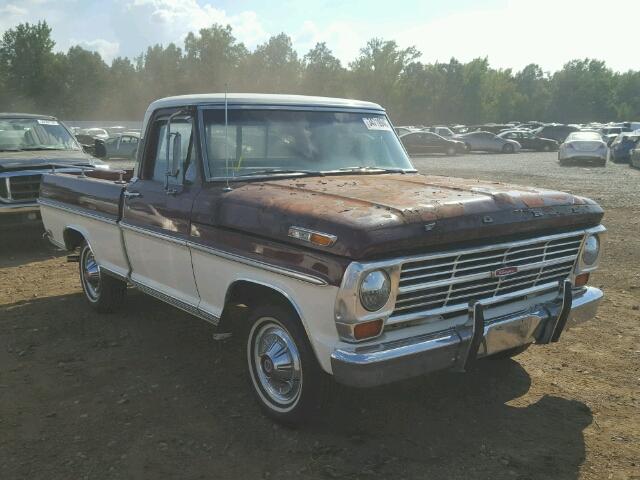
pixel 301 223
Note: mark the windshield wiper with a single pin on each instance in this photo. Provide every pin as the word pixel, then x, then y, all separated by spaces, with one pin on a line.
pixel 368 168
pixel 268 171
pixel 42 148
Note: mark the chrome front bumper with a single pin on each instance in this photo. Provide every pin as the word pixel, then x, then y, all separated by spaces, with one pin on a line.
pixel 457 348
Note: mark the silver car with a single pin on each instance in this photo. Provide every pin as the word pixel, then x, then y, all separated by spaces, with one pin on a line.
pixel 123 146
pixel 583 147
pixel 488 142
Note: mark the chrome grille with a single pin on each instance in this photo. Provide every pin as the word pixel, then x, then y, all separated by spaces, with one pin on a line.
pixel 447 282
pixel 20 188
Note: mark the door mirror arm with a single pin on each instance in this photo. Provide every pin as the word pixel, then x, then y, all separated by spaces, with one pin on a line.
pixel 174 150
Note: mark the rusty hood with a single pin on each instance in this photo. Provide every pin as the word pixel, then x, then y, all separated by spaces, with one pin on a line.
pixel 379 215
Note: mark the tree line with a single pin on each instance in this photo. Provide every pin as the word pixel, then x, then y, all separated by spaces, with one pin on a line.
pixel 80 85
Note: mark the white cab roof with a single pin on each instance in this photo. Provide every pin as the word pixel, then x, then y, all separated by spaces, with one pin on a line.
pixel 260 99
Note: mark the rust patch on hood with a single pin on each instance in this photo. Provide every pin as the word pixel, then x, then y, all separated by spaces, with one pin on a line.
pixel 371 214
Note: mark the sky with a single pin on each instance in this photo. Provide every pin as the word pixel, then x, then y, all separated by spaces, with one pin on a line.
pixel 511 33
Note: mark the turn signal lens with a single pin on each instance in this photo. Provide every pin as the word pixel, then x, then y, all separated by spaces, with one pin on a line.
pixel 317 238
pixel 581 280
pixel 322 240
pixel 367 329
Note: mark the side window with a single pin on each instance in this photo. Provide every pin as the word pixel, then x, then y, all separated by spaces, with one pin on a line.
pixel 160 164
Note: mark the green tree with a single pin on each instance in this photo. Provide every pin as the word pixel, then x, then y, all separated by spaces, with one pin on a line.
pixel 322 72
pixel 27 61
pixel 377 71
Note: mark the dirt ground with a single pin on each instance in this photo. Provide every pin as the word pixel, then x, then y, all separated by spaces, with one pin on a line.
pixel 146 393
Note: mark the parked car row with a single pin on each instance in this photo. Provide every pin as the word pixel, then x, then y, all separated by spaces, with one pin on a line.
pixel 423 142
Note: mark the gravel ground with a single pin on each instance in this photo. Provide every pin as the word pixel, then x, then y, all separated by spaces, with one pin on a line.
pixel 146 393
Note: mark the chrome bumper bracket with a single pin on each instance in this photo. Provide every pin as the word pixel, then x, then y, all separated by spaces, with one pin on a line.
pixel 470 349
pixel 554 327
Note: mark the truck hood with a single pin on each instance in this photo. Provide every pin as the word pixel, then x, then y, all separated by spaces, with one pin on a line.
pixel 378 215
pixel 44 159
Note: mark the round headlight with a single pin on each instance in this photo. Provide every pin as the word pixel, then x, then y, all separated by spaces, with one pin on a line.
pixel 591 250
pixel 375 290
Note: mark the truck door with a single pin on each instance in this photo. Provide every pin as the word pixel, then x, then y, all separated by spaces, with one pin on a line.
pixel 157 210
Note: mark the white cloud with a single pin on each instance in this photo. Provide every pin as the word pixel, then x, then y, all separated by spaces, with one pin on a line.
pixel 107 50
pixel 547 32
pixel 162 21
pixel 345 39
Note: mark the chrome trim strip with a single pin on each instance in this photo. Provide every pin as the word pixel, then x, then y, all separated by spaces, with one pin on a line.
pixel 19 207
pixel 226 255
pixel 153 233
pixel 79 211
pixel 182 305
pixel 258 264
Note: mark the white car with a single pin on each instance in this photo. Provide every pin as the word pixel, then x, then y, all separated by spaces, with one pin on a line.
pixel 583 147
pixel 100 133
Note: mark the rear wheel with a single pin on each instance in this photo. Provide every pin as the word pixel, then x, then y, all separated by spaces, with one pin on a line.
pixel 451 151
pixel 285 376
pixel 546 148
pixel 508 148
pixel 467 147
pixel 103 292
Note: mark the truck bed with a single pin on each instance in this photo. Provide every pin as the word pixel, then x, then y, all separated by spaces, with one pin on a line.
pixel 78 207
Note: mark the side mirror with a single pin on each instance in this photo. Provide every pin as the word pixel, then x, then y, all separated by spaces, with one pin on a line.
pixel 174 154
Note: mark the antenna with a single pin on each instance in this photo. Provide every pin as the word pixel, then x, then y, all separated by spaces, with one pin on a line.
pixel 226 140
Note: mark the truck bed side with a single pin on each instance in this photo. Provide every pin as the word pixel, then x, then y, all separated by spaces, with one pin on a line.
pixel 76 207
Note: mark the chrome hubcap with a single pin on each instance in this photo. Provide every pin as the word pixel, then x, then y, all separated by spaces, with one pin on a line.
pixel 90 275
pixel 275 363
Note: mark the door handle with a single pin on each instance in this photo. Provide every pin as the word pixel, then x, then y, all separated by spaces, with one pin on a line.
pixel 128 194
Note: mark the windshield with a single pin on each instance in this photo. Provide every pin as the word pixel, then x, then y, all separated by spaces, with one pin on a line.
pixel 264 142
pixel 35 134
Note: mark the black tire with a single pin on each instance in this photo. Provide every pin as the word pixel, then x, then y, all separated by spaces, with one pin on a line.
pixel 467 147
pixel 451 151
pixel 508 148
pixel 103 293
pixel 303 380
pixel 512 352
pixel 546 148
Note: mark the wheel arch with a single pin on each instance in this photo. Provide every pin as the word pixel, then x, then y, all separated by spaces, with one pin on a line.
pixel 73 237
pixel 243 291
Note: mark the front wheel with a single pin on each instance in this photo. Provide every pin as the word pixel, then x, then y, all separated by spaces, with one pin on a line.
pixel 103 292
pixel 508 148
pixel 285 376
pixel 451 151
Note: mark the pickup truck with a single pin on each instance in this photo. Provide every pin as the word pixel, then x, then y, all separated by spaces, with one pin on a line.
pixel 301 224
pixel 31 145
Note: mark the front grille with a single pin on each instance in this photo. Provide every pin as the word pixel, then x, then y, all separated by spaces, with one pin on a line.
pixel 448 282
pixel 20 188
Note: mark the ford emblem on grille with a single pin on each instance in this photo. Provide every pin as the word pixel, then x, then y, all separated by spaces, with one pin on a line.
pixel 504 271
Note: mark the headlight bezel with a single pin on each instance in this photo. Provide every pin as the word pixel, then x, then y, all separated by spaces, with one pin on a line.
pixel 375 277
pixel 583 266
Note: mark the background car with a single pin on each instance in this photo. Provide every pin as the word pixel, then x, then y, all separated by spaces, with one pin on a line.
pixel 583 147
pixel 488 142
pixel 100 133
pixel 422 143
pixel 620 148
pixel 529 141
pixel 442 131
pixel 556 131
pixel 122 146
